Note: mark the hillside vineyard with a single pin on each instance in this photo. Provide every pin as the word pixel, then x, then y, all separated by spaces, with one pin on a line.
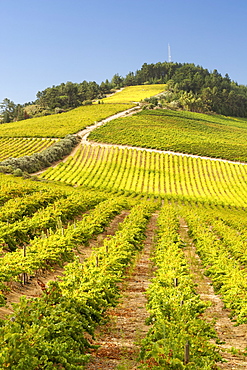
pixel 85 238
pixel 141 171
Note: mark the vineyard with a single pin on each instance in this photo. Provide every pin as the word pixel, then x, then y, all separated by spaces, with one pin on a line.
pixel 135 93
pixel 107 218
pixel 142 171
pixel 60 125
pixel 47 226
pixel 184 132
pixel 18 147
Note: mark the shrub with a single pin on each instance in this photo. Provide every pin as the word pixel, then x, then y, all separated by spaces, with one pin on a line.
pixel 18 172
pixel 39 161
pixel 87 102
pixel 6 169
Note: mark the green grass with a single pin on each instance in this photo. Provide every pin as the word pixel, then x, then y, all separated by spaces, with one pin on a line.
pixel 185 132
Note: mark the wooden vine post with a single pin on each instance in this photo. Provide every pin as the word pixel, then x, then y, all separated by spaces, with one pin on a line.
pixel 24 275
pixel 186 353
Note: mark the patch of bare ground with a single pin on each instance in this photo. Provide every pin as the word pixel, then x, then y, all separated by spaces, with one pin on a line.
pixel 38 282
pixel 230 336
pixel 119 339
pixel 85 251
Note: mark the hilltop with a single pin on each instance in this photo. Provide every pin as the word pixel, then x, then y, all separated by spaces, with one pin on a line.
pixel 189 87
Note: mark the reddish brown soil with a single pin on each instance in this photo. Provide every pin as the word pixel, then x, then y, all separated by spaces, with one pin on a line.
pixel 119 340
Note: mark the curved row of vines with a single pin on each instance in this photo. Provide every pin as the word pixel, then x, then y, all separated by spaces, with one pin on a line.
pixel 141 171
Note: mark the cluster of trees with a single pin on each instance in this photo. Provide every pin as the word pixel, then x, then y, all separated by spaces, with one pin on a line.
pixel 55 99
pixel 189 87
pixel 193 87
pixel 12 112
pixel 71 95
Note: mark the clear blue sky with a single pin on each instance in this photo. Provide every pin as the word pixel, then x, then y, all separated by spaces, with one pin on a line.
pixel 46 42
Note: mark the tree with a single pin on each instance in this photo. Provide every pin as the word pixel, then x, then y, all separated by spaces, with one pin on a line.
pixel 105 87
pixel 117 81
pixel 8 109
pixel 130 79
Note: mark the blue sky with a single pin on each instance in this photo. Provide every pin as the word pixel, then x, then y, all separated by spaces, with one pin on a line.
pixel 46 42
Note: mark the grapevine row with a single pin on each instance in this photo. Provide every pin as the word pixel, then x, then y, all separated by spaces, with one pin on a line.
pixel 61 211
pixel 16 208
pixel 49 332
pixel 59 246
pixel 18 147
pixel 153 173
pixel 175 308
pixel 222 262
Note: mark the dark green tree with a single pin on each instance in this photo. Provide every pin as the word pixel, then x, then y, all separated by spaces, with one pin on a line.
pixel 117 81
pixel 8 110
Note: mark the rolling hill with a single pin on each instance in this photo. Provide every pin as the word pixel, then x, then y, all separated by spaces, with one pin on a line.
pixel 72 240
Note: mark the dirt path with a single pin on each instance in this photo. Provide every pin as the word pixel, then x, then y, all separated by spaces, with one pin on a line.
pixel 85 251
pixel 83 134
pixel 94 143
pixel 230 336
pixel 39 281
pixel 119 339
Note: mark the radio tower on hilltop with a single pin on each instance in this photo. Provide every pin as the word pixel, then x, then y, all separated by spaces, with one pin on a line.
pixel 169 54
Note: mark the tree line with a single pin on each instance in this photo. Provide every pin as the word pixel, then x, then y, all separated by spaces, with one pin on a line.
pixel 192 87
pixel 189 87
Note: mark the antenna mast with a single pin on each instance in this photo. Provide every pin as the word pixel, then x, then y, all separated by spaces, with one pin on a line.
pixel 169 54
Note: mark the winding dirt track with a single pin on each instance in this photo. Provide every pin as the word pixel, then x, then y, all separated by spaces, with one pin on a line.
pixel 85 133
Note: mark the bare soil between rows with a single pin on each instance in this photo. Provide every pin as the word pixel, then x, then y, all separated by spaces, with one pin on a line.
pixel 230 336
pixel 39 282
pixel 120 338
